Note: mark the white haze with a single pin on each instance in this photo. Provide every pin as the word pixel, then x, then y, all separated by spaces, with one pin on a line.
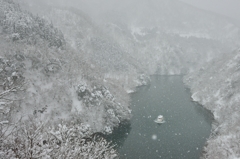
pixel 230 8
pixel 112 46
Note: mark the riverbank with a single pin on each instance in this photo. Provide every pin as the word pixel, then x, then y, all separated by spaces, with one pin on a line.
pixel 166 95
pixel 69 68
pixel 216 87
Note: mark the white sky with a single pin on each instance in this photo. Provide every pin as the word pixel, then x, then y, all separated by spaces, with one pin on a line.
pixel 229 8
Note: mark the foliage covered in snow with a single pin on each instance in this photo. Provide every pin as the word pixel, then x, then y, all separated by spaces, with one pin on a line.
pixel 21 25
pixel 99 97
pixel 42 81
pixel 82 72
pixel 216 87
pixel 12 86
pixel 34 139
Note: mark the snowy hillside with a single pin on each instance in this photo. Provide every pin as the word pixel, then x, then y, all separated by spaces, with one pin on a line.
pixel 171 16
pixel 163 37
pixel 216 86
pixel 167 37
pixel 44 79
pixel 67 72
pixel 55 75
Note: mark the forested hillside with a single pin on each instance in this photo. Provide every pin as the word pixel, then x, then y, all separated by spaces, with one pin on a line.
pixel 216 86
pixel 164 37
pixel 66 71
pixel 49 91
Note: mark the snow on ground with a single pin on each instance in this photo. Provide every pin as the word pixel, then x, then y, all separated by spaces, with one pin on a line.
pixel 197 35
pixel 54 77
pixel 217 87
pixel 137 31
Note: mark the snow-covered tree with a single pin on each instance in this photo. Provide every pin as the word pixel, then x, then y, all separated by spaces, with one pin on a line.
pixel 33 139
pixel 21 25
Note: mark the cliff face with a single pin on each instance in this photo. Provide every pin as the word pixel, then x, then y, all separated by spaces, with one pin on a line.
pixel 216 87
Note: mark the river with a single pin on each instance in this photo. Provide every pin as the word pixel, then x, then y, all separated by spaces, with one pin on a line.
pixel 182 136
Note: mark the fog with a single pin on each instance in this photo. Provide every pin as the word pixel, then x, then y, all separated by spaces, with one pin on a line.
pixel 228 8
pixel 72 65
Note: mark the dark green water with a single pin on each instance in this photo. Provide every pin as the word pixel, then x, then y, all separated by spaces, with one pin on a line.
pixel 183 134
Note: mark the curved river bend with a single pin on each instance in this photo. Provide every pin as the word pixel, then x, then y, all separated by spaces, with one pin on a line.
pixel 183 134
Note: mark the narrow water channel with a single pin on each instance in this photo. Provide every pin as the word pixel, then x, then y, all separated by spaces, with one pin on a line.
pixel 183 134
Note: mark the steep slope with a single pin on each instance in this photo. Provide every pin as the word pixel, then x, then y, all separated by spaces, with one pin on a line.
pixel 57 82
pixel 171 16
pixel 181 36
pixel 159 36
pixel 84 35
pixel 82 74
pixel 216 86
pixel 45 82
pixel 23 26
pixel 97 47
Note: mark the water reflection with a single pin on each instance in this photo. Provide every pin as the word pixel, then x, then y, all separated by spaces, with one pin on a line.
pixel 120 134
pixel 207 115
pixel 182 135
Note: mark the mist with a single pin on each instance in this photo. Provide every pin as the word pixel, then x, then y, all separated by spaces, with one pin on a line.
pixel 228 8
pixel 158 76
